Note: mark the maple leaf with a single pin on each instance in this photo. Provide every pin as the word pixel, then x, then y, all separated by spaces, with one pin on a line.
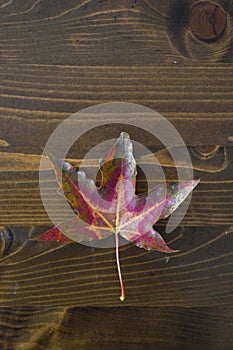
pixel 114 208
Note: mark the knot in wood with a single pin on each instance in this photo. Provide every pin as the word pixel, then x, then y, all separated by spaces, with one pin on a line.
pixel 207 21
pixel 205 151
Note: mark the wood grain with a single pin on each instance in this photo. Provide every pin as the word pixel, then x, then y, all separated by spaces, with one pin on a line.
pixel 52 274
pixel 21 201
pixel 35 99
pixel 58 57
pixel 92 328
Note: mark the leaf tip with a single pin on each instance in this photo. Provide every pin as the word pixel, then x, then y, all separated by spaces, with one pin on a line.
pixel 197 181
pixel 124 135
pixel 166 249
pixel 54 234
pixel 174 251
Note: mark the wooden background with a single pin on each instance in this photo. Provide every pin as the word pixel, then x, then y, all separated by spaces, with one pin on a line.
pixel 58 57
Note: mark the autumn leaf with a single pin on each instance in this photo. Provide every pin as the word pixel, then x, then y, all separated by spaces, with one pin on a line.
pixel 114 208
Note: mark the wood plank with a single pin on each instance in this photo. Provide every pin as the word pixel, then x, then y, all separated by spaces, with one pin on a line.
pixel 110 328
pixel 57 57
pixel 21 201
pixel 54 62
pixel 187 97
pixel 52 274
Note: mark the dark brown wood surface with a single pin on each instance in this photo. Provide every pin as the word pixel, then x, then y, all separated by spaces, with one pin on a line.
pixel 57 57
pixel 113 328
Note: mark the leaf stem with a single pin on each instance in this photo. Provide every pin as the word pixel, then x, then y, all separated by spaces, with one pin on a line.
pixel 122 297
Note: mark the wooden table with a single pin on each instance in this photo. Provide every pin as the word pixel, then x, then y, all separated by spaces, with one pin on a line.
pixel 58 57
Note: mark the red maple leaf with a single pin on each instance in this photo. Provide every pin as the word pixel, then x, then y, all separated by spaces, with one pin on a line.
pixel 114 208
